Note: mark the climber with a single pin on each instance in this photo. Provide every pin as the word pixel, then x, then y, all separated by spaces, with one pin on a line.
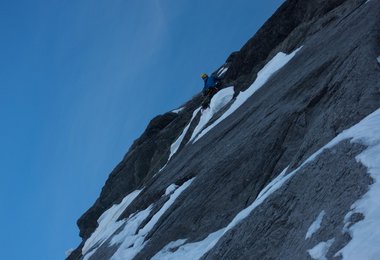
pixel 211 87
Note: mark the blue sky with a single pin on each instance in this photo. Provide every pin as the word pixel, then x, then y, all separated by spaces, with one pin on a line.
pixel 79 81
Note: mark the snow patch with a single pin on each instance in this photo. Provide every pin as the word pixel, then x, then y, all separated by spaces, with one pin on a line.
pixel 378 59
pixel 278 61
pixel 171 189
pixel 178 110
pixel 174 147
pixel 131 240
pixel 315 225
pixel 319 251
pixel 108 223
pixel 190 251
pixel 218 101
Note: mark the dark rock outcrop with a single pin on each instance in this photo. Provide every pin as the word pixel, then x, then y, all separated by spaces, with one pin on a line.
pixel 331 84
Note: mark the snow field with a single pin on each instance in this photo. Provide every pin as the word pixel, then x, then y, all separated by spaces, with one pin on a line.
pixel 278 61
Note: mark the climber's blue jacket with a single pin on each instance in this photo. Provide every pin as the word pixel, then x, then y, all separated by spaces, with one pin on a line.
pixel 210 82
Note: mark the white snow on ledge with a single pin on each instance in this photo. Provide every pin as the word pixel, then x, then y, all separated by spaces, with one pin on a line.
pixel 315 225
pixel 378 59
pixel 174 147
pixel 170 189
pixel 278 61
pixel 365 234
pixel 108 223
pixel 218 101
pixel 131 240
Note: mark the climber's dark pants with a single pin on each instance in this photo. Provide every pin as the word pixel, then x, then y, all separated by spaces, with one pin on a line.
pixel 208 94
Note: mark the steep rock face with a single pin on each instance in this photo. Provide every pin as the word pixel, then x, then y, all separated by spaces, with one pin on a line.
pixel 330 85
pixel 292 15
pixel 282 221
pixel 145 157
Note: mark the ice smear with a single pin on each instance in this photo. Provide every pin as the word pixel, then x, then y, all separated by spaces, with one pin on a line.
pixel 174 147
pixel 108 223
pixel 178 110
pixel 278 61
pixel 168 248
pixel 130 240
pixel 218 101
pixel 319 251
pixel 222 71
pixel 315 225
pixel 366 233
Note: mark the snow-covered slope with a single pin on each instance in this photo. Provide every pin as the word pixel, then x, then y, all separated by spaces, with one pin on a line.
pixel 285 164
